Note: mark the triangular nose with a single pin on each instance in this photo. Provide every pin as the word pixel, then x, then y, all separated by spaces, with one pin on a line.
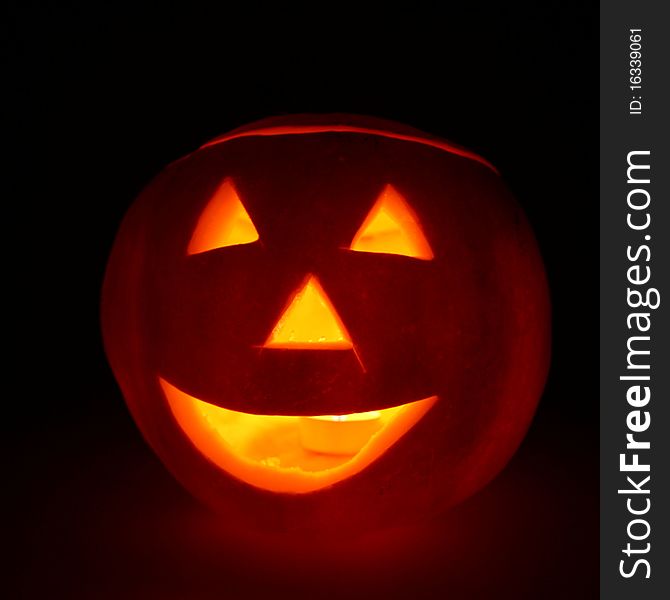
pixel 310 322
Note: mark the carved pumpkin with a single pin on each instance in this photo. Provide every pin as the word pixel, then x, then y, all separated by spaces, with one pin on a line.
pixel 328 323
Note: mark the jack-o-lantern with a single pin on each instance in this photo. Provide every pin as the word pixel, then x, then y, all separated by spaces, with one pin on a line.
pixel 328 322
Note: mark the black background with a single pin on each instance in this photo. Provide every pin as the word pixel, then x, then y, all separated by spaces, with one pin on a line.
pixel 101 98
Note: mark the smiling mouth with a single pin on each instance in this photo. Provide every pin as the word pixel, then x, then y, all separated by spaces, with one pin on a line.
pixel 292 454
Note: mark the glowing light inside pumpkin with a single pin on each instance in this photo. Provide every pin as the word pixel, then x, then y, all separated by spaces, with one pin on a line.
pixel 310 322
pixel 267 451
pixel 224 222
pixel 339 434
pixel 392 228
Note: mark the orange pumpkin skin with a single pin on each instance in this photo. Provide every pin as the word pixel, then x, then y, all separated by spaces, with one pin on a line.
pixel 470 326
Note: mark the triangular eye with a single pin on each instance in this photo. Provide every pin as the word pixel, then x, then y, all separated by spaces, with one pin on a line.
pixel 224 222
pixel 391 227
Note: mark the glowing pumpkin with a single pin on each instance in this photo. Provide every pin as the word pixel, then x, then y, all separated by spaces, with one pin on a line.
pixel 328 323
